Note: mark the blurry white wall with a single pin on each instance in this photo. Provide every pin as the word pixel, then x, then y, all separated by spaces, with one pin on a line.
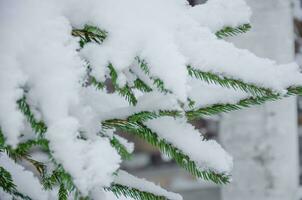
pixel 263 139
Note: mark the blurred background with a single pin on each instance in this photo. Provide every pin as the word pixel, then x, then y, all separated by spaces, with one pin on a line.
pixel 265 141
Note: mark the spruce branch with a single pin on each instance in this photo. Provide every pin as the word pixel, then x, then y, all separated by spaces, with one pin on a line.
pixel 120 148
pixel 205 76
pixel 165 147
pixel 99 85
pixel 22 151
pixel 122 190
pixel 147 115
pixel 8 185
pixel 6 181
pixel 159 84
pixel 212 78
pixel 58 177
pixel 244 103
pixel 140 85
pixel 231 31
pixel 92 33
pixel 62 193
pixel 124 91
pixel 89 34
pixel 38 126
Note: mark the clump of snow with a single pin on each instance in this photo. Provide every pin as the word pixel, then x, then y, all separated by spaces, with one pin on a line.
pixel 92 53
pixel 207 154
pixel 46 55
pixel 91 163
pixel 126 179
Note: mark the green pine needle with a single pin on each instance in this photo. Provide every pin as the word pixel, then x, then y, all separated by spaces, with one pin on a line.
pixel 244 103
pixel 147 115
pixel 6 181
pixel 124 91
pixel 99 85
pixel 212 78
pixel 159 84
pixel 127 93
pixel 230 31
pixel 89 34
pixel 38 126
pixel 63 193
pixel 121 190
pixel 140 85
pixel 120 148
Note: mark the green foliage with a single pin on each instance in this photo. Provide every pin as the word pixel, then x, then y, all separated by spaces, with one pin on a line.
pixel 38 126
pixel 59 178
pixel 244 103
pixel 230 31
pixel 124 91
pixel 159 84
pixel 89 34
pixel 94 34
pixel 7 184
pixel 224 108
pixel 165 147
pixel 211 78
pixel 294 91
pixel 140 85
pixel 146 115
pixel 99 85
pixel 6 181
pixel 22 151
pixel 121 190
pixel 127 93
pixel 63 193
pixel 121 149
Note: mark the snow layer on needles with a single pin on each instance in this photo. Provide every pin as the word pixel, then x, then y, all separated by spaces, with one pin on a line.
pixel 24 180
pixel 91 163
pixel 204 94
pixel 207 154
pixel 152 102
pixel 126 179
pixel 141 27
pixel 217 14
pixel 207 53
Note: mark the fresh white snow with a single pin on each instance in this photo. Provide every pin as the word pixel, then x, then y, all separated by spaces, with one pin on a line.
pixel 207 154
pixel 39 58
